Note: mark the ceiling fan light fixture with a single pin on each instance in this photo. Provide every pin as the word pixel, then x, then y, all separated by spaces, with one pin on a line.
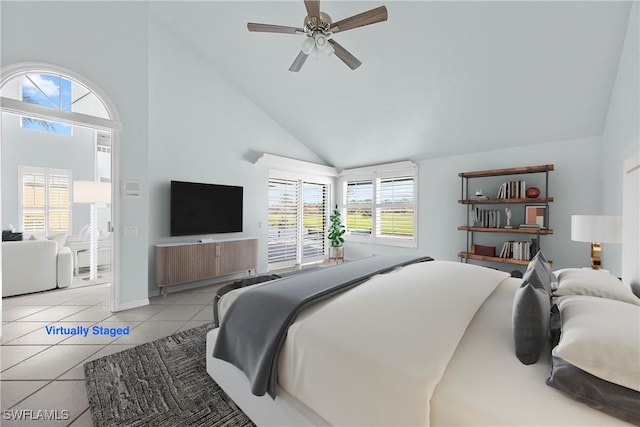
pixel 319 28
pixel 321 40
pixel 307 45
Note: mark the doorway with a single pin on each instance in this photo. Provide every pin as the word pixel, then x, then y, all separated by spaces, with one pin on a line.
pixel 58 129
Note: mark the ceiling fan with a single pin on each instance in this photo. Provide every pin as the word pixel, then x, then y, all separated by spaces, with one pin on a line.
pixel 318 28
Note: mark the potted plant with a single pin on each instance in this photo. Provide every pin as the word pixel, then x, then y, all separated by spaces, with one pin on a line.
pixel 336 231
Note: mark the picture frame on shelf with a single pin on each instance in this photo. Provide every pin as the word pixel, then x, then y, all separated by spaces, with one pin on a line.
pixel 534 216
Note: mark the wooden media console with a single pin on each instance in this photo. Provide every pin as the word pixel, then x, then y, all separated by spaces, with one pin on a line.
pixel 178 263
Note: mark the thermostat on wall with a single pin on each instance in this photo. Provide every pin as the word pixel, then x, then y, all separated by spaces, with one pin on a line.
pixel 132 189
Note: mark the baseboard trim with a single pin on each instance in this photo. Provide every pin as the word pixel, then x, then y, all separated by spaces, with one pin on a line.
pixel 132 304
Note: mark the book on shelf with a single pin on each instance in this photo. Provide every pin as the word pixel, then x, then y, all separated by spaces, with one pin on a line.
pixel 483 250
pixel 516 250
pixel 534 226
pixel 487 218
pixel 512 190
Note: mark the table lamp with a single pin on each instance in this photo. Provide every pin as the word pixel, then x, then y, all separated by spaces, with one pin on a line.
pixel 596 229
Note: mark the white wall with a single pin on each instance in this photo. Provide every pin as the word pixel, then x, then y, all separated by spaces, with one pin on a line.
pixel 36 148
pixel 202 129
pixel 107 44
pixel 574 184
pixel 621 136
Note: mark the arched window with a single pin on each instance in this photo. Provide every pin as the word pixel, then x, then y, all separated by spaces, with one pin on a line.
pixel 55 91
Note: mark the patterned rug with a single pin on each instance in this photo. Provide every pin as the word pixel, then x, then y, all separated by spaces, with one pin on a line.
pixel 161 383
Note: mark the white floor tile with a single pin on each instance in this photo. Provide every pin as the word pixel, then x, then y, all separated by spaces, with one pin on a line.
pixel 44 335
pixel 139 314
pixel 177 312
pixel 51 363
pixel 13 330
pixel 96 313
pixel 62 396
pixel 92 338
pixel 54 314
pixel 12 392
pixel 198 298
pixel 12 313
pixel 11 355
pixel 45 371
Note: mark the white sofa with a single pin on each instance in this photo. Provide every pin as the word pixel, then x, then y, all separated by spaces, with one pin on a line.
pixel 35 265
pixel 80 252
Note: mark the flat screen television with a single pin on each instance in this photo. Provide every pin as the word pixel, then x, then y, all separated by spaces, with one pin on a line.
pixel 199 208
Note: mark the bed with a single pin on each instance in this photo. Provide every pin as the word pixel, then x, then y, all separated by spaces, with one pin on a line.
pixel 426 344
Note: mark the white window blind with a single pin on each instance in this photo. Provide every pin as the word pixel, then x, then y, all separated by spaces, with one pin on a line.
pixel 380 204
pixel 395 207
pixel 314 220
pixel 45 196
pixel 297 221
pixel 283 221
pixel 33 202
pixel 59 203
pixel 359 207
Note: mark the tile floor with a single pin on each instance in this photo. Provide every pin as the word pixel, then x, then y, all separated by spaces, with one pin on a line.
pixel 44 372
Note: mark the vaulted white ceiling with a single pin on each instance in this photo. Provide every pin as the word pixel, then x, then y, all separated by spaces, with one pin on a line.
pixel 438 78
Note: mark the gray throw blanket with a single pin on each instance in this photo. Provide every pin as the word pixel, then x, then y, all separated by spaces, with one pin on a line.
pixel 255 326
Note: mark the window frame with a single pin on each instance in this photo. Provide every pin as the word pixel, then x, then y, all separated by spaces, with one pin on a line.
pixel 375 174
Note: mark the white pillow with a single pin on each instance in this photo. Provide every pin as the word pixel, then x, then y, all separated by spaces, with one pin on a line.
pixel 602 337
pixel 84 233
pixel 59 238
pixel 597 283
pixel 38 236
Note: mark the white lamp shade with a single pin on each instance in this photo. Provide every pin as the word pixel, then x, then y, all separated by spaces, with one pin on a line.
pixel 91 192
pixel 307 45
pixel 596 228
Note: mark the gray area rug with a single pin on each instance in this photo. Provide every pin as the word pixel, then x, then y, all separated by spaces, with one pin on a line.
pixel 161 383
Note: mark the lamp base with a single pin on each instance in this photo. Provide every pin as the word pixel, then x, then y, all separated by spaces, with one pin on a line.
pixel 596 255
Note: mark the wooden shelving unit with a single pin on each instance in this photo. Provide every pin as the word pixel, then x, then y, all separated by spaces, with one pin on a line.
pixel 467 255
pixel 544 232
pixel 471 229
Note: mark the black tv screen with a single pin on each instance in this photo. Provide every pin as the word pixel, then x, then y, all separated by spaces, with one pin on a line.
pixel 198 208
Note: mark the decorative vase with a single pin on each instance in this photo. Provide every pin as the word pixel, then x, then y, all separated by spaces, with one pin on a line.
pixel 532 192
pixel 336 254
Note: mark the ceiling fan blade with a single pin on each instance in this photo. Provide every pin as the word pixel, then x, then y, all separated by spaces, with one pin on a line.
pixel 268 28
pixel 344 55
pixel 298 62
pixel 313 8
pixel 372 16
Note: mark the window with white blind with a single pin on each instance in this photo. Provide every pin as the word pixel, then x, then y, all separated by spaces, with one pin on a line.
pixel 297 221
pixel 380 204
pixel 45 199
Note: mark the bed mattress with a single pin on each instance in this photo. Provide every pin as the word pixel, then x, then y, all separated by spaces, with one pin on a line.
pixel 483 383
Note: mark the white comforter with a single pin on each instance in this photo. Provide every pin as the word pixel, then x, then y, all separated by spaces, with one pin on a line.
pixel 373 355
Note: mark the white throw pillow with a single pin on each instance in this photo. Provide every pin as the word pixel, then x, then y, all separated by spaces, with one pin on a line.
pixel 59 238
pixel 38 236
pixel 602 337
pixel 597 283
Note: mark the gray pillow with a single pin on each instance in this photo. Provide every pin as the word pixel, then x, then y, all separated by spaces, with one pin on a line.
pixel 539 274
pixel 614 399
pixel 530 322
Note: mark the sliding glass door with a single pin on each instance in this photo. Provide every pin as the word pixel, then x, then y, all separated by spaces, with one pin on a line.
pixel 297 222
